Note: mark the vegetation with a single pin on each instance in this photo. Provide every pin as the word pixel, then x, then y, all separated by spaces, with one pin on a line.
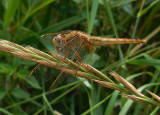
pixel 23 22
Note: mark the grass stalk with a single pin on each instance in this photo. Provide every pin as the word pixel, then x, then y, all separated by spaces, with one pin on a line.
pixel 25 53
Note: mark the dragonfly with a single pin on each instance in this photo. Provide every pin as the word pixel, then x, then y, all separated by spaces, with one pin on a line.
pixel 71 42
pixel 74 40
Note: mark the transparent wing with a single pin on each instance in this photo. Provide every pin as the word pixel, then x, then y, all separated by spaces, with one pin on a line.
pixel 40 78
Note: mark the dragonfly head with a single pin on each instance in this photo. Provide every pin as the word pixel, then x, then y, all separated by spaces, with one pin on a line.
pixel 57 41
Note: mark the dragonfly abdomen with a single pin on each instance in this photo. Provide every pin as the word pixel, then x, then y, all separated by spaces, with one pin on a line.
pixel 98 41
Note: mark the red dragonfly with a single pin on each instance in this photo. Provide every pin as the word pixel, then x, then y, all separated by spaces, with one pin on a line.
pixel 75 40
pixel 71 42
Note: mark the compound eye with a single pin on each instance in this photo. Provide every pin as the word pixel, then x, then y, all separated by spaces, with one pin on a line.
pixel 59 40
pixel 59 43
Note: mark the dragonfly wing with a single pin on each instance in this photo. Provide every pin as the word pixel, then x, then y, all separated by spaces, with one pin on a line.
pixel 54 34
pixel 39 79
pixel 34 80
pixel 47 39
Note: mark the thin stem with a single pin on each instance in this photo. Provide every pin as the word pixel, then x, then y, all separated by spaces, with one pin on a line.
pixel 135 28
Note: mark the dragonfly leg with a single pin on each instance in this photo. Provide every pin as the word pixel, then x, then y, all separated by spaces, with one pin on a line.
pixel 31 72
pixel 66 55
pixel 61 74
pixel 77 54
pixel 79 58
pixel 34 69
pixel 56 79
pixel 79 64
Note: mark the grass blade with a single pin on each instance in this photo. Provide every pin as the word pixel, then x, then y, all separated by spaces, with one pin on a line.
pixel 10 12
pixel 98 104
pixel 93 15
pixel 35 9
pixel 63 94
pixel 117 3
pixel 63 24
pixel 112 101
pixel 135 28
pixel 148 8
pixel 113 26
pixel 48 104
pixel 87 10
pixel 5 111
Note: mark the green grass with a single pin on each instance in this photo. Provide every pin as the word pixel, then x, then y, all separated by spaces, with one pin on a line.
pixel 24 21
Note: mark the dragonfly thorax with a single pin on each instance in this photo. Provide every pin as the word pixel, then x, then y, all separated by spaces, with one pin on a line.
pixel 57 41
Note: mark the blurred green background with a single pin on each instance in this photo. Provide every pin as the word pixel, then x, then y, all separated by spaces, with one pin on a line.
pixel 23 21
